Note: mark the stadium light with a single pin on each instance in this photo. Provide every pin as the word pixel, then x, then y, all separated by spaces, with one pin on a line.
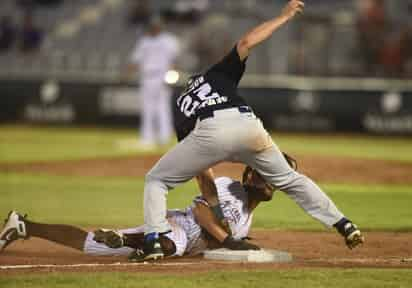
pixel 171 77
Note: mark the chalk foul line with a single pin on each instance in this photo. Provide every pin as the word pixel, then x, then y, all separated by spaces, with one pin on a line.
pixel 85 265
pixel 391 260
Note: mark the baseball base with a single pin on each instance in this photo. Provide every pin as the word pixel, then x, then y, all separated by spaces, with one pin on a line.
pixel 260 256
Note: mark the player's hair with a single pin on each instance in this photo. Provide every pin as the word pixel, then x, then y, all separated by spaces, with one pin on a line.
pixel 291 161
pixel 248 170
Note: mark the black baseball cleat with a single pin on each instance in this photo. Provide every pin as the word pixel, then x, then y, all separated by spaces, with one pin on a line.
pixel 152 250
pixel 351 233
pixel 111 238
pixel 353 236
pixel 137 256
pixel 14 228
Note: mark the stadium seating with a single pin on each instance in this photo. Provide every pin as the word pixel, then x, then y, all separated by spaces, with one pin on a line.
pixel 92 39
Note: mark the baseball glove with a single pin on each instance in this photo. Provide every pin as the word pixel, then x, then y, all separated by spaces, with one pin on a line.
pixel 234 244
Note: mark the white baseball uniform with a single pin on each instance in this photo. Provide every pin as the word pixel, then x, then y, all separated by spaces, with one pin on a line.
pixel 154 56
pixel 186 233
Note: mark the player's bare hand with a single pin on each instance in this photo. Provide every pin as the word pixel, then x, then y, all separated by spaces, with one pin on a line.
pixel 292 8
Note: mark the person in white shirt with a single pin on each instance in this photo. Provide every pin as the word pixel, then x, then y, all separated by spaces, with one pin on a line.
pixel 153 56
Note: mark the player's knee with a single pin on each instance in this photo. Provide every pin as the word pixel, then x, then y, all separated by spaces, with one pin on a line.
pixel 152 176
pixel 154 180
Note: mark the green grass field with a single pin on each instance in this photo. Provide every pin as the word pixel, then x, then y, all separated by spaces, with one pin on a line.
pixel 117 202
pixel 313 278
pixel 27 143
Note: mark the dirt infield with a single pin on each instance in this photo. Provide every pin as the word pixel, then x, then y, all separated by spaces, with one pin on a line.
pixel 325 169
pixel 309 249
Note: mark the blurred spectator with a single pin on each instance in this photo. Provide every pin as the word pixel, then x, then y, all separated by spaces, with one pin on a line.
pixel 396 53
pixel 31 3
pixel 207 52
pixel 48 2
pixel 7 33
pixel 26 6
pixel 372 25
pixel 25 3
pixel 154 55
pixel 31 36
pixel 140 12
pixel 187 11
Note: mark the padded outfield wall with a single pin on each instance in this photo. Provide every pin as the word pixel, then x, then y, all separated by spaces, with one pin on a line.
pixel 283 103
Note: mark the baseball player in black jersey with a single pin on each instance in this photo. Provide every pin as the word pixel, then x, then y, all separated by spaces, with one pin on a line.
pixel 214 124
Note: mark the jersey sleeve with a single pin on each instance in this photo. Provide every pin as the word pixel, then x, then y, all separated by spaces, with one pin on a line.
pixel 231 67
pixel 179 238
pixel 224 182
pixel 233 199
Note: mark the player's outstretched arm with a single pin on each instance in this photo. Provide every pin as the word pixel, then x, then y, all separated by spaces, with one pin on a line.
pixel 206 182
pixel 208 222
pixel 207 186
pixel 266 29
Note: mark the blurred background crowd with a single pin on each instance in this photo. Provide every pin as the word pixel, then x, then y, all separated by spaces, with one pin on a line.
pixel 94 38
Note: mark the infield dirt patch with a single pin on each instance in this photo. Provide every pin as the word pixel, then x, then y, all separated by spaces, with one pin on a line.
pixel 309 249
pixel 324 169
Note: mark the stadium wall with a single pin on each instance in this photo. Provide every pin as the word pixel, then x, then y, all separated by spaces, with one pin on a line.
pixel 377 109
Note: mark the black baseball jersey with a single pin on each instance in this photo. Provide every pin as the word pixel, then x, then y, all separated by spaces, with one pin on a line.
pixel 216 89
